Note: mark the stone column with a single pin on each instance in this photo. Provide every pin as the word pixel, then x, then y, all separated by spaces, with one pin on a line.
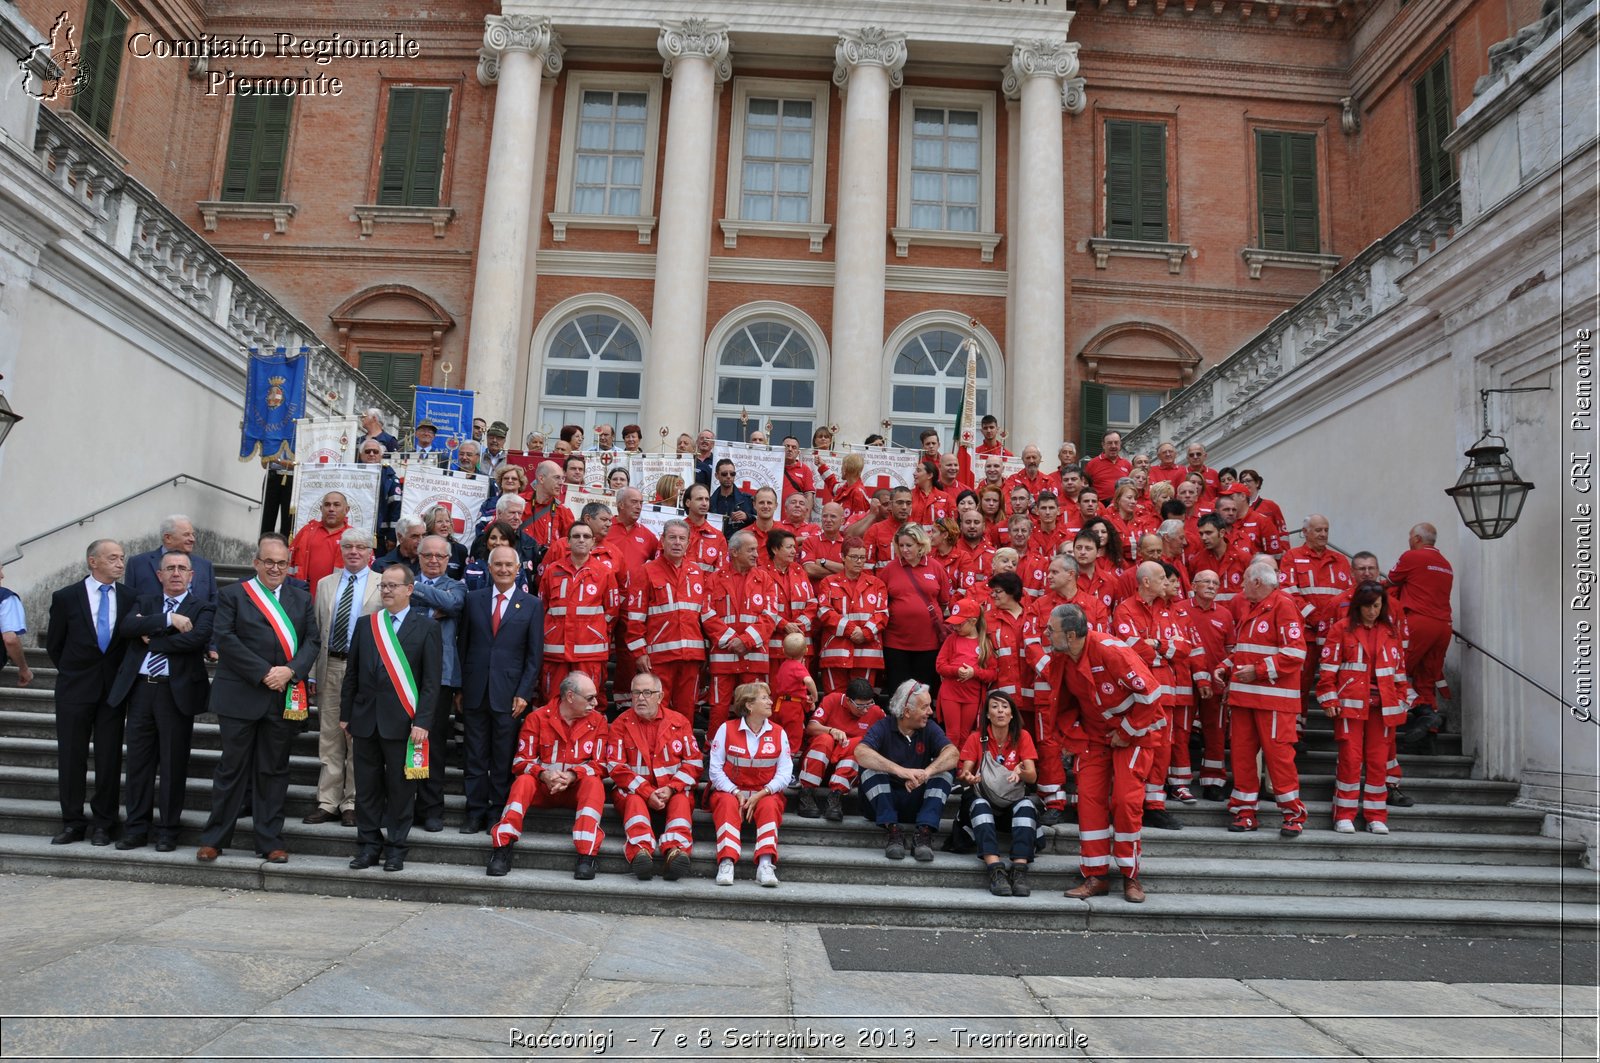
pixel 868 66
pixel 696 55
pixel 1038 344
pixel 515 49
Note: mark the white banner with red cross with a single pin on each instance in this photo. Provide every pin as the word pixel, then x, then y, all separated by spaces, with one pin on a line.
pixel 882 468
pixel 329 442
pixel 755 465
pixel 427 487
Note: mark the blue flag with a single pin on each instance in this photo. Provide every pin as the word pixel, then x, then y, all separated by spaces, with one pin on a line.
pixel 450 411
pixel 274 396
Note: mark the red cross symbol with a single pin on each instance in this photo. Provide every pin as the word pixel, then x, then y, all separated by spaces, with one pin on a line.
pixel 457 524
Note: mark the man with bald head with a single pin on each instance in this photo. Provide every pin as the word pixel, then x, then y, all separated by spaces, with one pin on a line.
pixel 1319 577
pixel 1143 624
pixel 1422 580
pixel 1030 476
pixel 545 525
pixel 315 550
pixel 1105 469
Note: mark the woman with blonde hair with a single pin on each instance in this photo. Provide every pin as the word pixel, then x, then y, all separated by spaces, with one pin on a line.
pixel 848 492
pixel 750 768
pixel 669 490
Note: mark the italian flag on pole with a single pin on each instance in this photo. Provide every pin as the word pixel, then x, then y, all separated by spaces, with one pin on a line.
pixel 966 437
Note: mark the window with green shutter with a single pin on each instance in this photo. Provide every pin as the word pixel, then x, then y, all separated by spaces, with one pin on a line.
pixel 1433 125
pixel 257 144
pixel 1091 419
pixel 101 58
pixel 396 375
pixel 413 147
pixel 1136 181
pixel 1286 191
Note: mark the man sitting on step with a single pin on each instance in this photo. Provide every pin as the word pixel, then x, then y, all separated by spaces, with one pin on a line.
pixel 906 770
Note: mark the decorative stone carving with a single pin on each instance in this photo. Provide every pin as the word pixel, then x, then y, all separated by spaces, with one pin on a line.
pixel 1349 116
pixel 870 46
pixel 517 33
pixel 1073 98
pixel 1506 54
pixel 1040 59
pixel 695 38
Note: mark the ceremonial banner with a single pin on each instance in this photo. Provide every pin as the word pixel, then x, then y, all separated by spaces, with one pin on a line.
pixel 883 467
pixel 274 397
pixel 358 484
pixel 526 460
pixel 966 434
pixel 426 488
pixel 755 465
pixel 655 517
pixel 646 470
pixel 451 413
pixel 576 500
pixel 330 442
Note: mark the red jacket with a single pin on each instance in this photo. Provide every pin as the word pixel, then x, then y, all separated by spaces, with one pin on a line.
pixel 1319 581
pixel 1423 579
pixel 1107 689
pixel 1187 668
pixel 1271 637
pixel 1006 637
pixel 315 552
pixel 959 650
pixel 1229 567
pixel 1135 622
pixel 650 755
pixel 969 566
pixel 844 607
pixel 930 505
pixel 708 547
pixel 746 603
pixel 547 742
pixel 1355 659
pixel 581 602
pixel 1215 629
pixel 796 603
pixel 670 616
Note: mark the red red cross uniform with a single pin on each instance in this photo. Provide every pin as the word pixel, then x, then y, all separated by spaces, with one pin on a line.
pixel 819 548
pixel 582 603
pixel 1006 638
pixel 742 761
pixel 1422 581
pixel 1137 625
pixel 633 547
pixel 969 566
pixel 647 756
pixel 1257 534
pixel 796 603
pixel 1362 675
pixel 844 607
pixel 747 604
pixel 1188 668
pixel 707 547
pixel 824 751
pixel 550 743
pixel 879 540
pixel 1229 568
pixel 1108 691
pixel 1270 636
pixel 1215 628
pixel 670 617
pixel 1318 581
pixel 1038 691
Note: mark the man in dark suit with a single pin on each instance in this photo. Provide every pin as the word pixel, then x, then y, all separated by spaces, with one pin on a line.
pixel 259 698
pixel 164 671
pixel 502 652
pixel 86 650
pixel 382 707
pixel 177 536
pixel 444 598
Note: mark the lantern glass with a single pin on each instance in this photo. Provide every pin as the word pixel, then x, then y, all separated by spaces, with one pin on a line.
pixel 8 418
pixel 1489 494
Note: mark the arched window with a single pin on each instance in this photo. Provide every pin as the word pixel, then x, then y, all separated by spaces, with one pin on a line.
pixel 925 385
pixel 592 372
pixel 767 370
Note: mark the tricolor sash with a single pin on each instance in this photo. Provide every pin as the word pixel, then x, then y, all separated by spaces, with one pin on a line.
pixel 294 698
pixel 405 685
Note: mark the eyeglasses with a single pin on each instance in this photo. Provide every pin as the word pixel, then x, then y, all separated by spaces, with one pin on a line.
pixel 264 563
pixel 592 699
pixel 647 694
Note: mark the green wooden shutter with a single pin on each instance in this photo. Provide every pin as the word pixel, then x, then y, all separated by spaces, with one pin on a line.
pixel 1091 419
pixel 274 146
pixel 1302 188
pixel 1151 144
pixel 257 144
pixel 1121 220
pixel 397 147
pixel 1269 190
pixel 413 147
pixel 1136 181
pixel 1435 164
pixel 1286 191
pixel 102 63
pixel 396 375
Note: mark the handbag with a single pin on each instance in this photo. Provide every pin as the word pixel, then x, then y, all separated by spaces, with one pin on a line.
pixel 994 781
pixel 941 629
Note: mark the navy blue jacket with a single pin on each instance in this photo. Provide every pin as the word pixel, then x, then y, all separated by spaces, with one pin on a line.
pixel 496 667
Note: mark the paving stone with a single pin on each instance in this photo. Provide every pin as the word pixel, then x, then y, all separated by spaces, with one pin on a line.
pixel 1208 1031
pixel 699 952
pixel 325 927
pixel 649 1018
pixel 284 1040
pixel 1537 999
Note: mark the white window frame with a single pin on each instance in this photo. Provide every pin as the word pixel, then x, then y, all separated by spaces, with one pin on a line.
pixel 1131 391
pixel 578 82
pixel 733 223
pixel 755 313
pixel 950 321
pixel 598 410
pixel 985 239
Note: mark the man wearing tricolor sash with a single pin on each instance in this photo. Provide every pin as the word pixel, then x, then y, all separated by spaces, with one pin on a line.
pixel 391 684
pixel 267 639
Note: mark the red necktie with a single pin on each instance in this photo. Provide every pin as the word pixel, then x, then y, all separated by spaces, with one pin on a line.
pixel 499 607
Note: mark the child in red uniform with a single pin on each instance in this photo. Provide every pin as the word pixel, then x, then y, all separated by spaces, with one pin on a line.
pixel 794 692
pixel 966 664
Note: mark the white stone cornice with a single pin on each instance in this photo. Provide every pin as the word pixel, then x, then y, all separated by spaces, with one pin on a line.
pixel 517 33
pixel 1039 58
pixel 695 38
pixel 869 46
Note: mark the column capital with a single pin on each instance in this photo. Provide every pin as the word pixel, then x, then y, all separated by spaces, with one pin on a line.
pixel 517 33
pixel 695 38
pixel 1073 99
pixel 869 46
pixel 1038 58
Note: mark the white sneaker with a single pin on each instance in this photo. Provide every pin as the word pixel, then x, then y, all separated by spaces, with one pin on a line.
pixel 1374 827
pixel 725 872
pixel 1344 826
pixel 766 874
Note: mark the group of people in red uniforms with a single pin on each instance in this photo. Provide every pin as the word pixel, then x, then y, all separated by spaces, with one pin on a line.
pixel 1116 607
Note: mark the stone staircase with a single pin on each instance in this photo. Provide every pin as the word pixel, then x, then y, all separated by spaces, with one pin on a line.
pixel 1461 861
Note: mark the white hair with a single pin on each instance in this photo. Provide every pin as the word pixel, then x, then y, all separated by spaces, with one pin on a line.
pixel 355 537
pixel 170 524
pixel 1261 572
pixel 507 502
pixel 407 524
pixel 1170 529
pixel 903 695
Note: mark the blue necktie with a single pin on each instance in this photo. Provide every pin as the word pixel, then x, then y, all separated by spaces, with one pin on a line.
pixel 156 663
pixel 102 623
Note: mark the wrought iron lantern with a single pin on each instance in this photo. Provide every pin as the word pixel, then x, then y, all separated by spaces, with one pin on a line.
pixel 8 417
pixel 1489 494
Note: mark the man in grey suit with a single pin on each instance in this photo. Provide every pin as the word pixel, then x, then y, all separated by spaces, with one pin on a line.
pixel 445 598
pixel 342 598
pixel 390 688
pixel 268 640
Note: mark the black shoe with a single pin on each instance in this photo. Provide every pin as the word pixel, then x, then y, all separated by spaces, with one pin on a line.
pixel 1213 793
pixel 394 863
pixel 807 808
pixel 99 836
pixel 68 836
pixel 1161 819
pixel 1049 817
pixel 922 849
pixel 433 824
pixel 475 825
pixel 677 864
pixel 166 845
pixel 499 861
pixel 133 841
pixel 894 848
pixel 1399 798
pixel 583 870
pixel 363 860
pixel 643 865
pixel 832 807
pixel 1019 881
pixel 999 880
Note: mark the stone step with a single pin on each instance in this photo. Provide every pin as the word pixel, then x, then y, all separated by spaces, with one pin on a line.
pixel 964 906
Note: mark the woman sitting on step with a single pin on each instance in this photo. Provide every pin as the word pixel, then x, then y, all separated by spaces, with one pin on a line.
pixel 750 768
pixel 998 763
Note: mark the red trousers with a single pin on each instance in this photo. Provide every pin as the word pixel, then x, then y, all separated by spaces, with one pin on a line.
pixel 556 671
pixel 1155 788
pixel 825 751
pixel 1214 740
pixel 1394 758
pixel 1052 777
pixel 1362 744
pixel 680 685
pixel 1111 786
pixel 640 831
pixel 1180 723
pixel 1425 657
pixel 587 795
pixel 838 678
pixel 958 717
pixel 728 818
pixel 721 699
pixel 1272 735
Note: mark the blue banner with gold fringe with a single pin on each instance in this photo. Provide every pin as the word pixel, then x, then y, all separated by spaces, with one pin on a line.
pixel 449 411
pixel 274 396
